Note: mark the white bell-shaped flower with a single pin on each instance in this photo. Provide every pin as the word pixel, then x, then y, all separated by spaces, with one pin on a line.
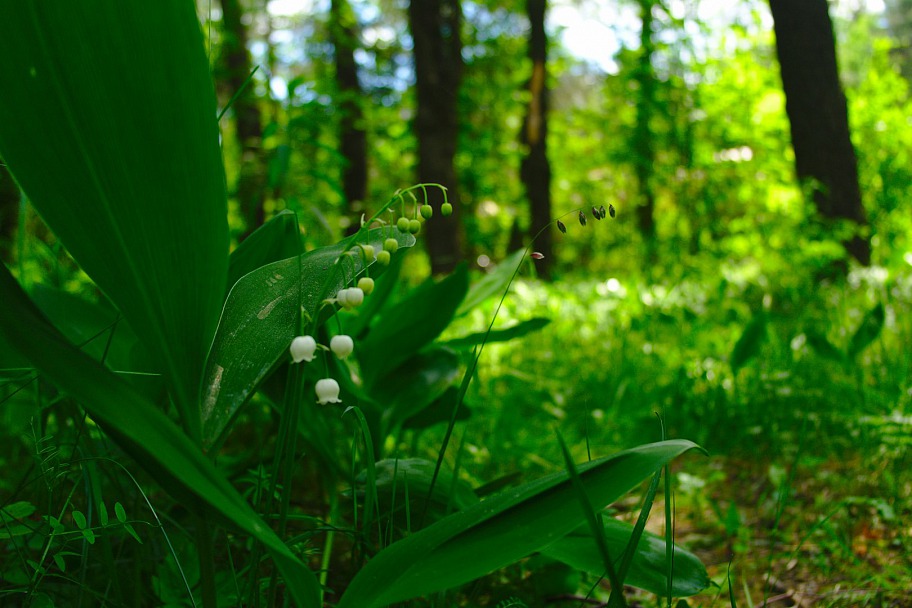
pixel 327 391
pixel 303 348
pixel 342 345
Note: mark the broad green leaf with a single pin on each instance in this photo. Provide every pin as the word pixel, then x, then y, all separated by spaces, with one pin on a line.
pixel 748 345
pixel 648 568
pixel 110 130
pixel 499 335
pixel 500 530
pixel 87 325
pixel 492 284
pixel 141 429
pixel 411 324
pixel 868 331
pixel 277 239
pixel 260 319
pixel 823 347
pixel 415 384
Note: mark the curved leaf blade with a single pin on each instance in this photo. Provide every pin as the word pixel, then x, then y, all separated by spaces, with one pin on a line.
pixel 501 529
pixel 110 129
pixel 141 429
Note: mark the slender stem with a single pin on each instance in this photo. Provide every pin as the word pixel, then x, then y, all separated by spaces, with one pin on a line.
pixel 206 554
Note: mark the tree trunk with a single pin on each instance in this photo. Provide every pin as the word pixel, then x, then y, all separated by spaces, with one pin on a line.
pixel 816 107
pixel 237 66
pixel 435 27
pixel 352 136
pixel 535 169
pixel 643 146
pixel 9 213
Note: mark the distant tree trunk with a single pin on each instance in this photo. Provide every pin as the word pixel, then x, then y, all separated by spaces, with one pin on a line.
pixel 535 169
pixel 9 212
pixel 643 146
pixel 435 27
pixel 352 135
pixel 816 108
pixel 237 66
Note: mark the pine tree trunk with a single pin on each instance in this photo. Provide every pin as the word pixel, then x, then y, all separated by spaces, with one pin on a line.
pixel 535 170
pixel 816 107
pixel 435 27
pixel 352 136
pixel 236 68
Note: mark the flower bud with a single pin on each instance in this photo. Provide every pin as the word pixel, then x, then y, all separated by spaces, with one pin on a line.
pixel 342 345
pixel 383 258
pixel 303 349
pixel 561 227
pixel 427 211
pixel 414 226
pixel 366 284
pixel 354 297
pixel 446 209
pixel 327 391
pixel 611 211
pixel 390 245
pixel 402 224
pixel 368 251
pixel 582 218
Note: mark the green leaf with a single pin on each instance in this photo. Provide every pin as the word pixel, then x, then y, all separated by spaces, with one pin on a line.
pixel 415 384
pixel 103 514
pixel 500 530
pixel 132 532
pixel 111 132
pixel 439 410
pixel 411 324
pixel 499 335
pixel 277 239
pixel 823 347
pixel 142 430
pixel 867 332
pixel 61 563
pixel 89 535
pixel 79 519
pixel 748 345
pixel 120 513
pixel 9 516
pixel 649 566
pixel 492 284
pixel 260 319
pixel 87 325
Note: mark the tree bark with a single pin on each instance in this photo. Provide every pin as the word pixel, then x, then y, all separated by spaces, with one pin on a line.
pixel 9 212
pixel 643 146
pixel 435 26
pixel 535 170
pixel 352 135
pixel 236 68
pixel 816 107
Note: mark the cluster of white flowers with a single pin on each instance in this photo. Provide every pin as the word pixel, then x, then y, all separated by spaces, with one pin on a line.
pixel 304 348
